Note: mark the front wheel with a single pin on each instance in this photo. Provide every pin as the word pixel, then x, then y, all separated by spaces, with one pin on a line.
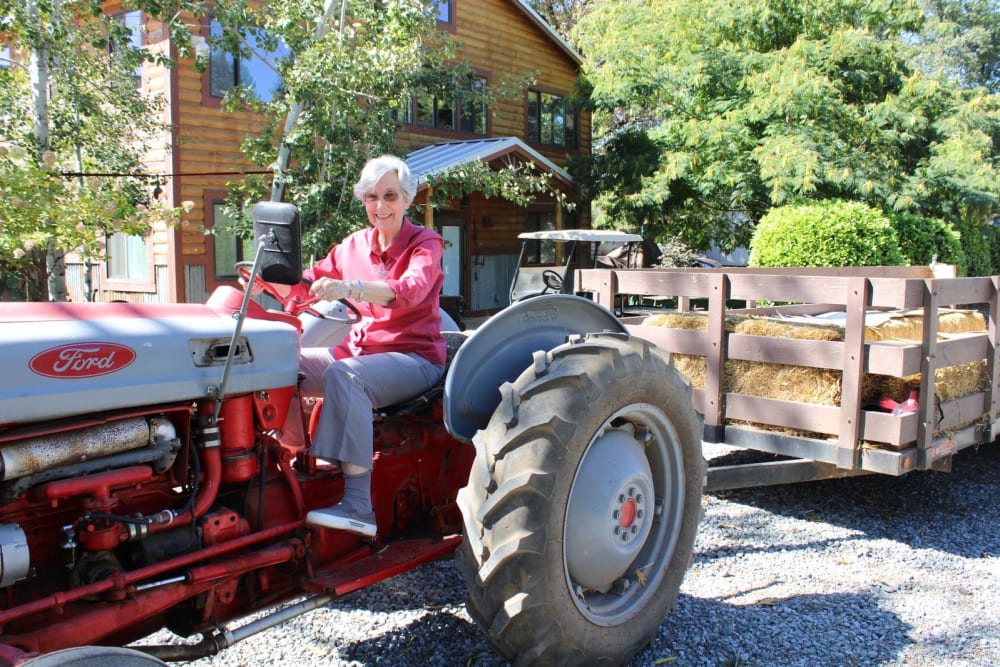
pixel 583 503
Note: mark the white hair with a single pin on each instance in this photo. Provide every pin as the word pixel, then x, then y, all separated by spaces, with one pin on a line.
pixel 378 167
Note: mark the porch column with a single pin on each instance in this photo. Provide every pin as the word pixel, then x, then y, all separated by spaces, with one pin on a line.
pixel 428 211
pixel 559 225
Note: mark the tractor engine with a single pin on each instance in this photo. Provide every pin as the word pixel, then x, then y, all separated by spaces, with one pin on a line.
pixel 128 441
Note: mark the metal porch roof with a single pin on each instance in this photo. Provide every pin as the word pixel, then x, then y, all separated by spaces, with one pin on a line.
pixel 440 157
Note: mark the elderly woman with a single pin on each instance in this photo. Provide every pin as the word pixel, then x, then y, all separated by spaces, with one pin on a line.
pixel 391 271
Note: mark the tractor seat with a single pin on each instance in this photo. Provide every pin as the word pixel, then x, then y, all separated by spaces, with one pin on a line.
pixel 453 340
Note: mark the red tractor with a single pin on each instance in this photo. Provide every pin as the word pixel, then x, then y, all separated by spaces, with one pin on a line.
pixel 143 486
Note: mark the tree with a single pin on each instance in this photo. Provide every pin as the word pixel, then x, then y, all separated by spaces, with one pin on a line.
pixel 562 15
pixel 344 89
pixel 710 113
pixel 71 106
pixel 961 39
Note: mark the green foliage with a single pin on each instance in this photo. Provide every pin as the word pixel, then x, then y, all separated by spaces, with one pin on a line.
pixel 95 120
pixel 976 244
pixel 737 108
pixel 992 233
pixel 962 37
pixel 828 233
pixel 923 239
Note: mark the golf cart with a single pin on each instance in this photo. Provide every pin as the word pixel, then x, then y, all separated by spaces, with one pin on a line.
pixel 546 258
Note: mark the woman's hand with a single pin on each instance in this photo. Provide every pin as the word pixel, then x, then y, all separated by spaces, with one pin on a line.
pixel 330 289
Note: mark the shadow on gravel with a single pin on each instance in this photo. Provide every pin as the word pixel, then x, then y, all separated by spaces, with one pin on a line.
pixel 439 634
pixel 962 507
pixel 714 633
pixel 437 638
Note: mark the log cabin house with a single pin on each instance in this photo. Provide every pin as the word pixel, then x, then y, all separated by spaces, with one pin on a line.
pixel 500 38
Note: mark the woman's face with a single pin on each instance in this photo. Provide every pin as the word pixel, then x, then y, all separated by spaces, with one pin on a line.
pixel 385 205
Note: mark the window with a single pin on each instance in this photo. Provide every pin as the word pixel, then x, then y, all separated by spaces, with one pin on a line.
pixel 550 121
pixel 466 113
pixel 474 111
pixel 229 248
pixel 538 251
pixel 227 70
pixel 127 257
pixel 133 25
pixel 435 112
pixel 402 112
pixel 6 58
pixel 444 11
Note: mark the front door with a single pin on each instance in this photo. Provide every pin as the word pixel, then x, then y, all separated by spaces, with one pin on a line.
pixel 452 229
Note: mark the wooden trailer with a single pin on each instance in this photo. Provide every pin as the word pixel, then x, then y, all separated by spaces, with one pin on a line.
pixel 863 430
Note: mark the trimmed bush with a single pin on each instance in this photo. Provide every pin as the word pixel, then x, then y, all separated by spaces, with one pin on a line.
pixel 920 239
pixel 825 233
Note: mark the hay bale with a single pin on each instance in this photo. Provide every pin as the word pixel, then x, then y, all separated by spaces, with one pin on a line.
pixel 909 325
pixel 823 386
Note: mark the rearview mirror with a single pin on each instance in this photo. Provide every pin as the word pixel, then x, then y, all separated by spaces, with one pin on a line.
pixel 277 224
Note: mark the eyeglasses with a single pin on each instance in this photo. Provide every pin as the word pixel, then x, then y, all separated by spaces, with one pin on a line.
pixel 390 197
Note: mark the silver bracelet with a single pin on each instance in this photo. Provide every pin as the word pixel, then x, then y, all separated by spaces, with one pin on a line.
pixel 359 290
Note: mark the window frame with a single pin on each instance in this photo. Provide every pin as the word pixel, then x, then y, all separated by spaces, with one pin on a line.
pixel 408 114
pixel 127 283
pixel 214 198
pixel 137 37
pixel 447 24
pixel 534 123
pixel 208 94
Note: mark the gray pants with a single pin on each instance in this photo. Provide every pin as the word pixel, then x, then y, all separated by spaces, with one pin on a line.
pixel 351 388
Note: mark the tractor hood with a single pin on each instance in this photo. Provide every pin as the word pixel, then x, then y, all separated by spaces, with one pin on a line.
pixel 65 359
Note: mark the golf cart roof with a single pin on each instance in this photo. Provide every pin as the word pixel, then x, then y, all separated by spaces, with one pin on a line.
pixel 596 235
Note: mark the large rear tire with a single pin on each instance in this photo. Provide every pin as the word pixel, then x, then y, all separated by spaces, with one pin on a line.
pixel 583 503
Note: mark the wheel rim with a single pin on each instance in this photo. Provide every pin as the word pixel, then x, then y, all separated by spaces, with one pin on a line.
pixel 624 514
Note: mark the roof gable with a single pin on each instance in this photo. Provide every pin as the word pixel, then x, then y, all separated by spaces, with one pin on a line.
pixel 544 26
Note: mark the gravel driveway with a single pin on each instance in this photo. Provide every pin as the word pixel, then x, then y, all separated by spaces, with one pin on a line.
pixel 862 571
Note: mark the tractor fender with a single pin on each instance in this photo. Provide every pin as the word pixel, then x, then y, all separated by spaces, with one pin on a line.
pixel 501 348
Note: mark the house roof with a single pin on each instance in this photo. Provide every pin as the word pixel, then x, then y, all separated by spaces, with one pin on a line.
pixel 440 157
pixel 544 26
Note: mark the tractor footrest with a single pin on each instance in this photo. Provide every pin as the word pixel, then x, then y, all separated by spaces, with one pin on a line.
pixel 394 559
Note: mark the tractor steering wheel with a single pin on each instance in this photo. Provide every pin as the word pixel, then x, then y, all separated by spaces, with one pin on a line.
pixel 296 306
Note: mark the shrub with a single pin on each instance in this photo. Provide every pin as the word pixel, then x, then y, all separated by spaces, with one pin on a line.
pixel 825 233
pixel 993 234
pixel 976 244
pixel 920 239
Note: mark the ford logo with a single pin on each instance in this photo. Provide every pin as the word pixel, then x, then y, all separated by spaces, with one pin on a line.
pixel 82 360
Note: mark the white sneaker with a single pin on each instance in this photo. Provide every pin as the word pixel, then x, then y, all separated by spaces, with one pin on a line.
pixel 343 518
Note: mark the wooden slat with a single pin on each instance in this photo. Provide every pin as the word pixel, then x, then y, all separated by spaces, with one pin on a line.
pixel 993 353
pixel 715 362
pixel 893 358
pixel 848 452
pixel 928 367
pixel 789 351
pixel 957 291
pixel 961 349
pixel 960 411
pixel 810 289
pixel 789 414
pixel 888 429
